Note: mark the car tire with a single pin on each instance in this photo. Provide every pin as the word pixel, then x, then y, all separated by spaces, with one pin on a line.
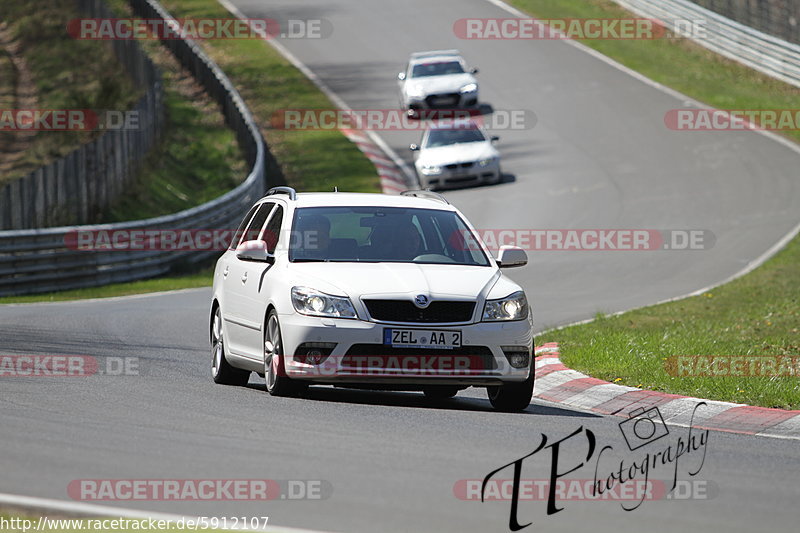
pixel 512 397
pixel 440 392
pixel 221 370
pixel 277 382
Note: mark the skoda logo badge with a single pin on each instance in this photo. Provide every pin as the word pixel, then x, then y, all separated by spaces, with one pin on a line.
pixel 421 300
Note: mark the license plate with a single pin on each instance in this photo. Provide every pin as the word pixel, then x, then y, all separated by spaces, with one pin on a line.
pixel 422 338
pixel 443 100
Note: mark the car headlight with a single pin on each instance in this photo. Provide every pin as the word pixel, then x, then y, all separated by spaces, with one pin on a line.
pixel 469 88
pixel 431 170
pixel 311 302
pixel 486 162
pixel 415 91
pixel 514 307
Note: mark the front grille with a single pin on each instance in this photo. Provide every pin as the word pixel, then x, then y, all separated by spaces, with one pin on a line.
pixel 477 358
pixel 461 179
pixel 443 100
pixel 405 311
pixel 453 166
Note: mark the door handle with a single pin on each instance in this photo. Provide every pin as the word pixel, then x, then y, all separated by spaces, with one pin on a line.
pixel 225 272
pixel 244 278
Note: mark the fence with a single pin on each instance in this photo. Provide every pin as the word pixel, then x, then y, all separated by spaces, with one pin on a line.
pixel 765 53
pixel 34 261
pixel 74 189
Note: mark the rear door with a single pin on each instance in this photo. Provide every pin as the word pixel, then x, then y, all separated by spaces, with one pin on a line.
pixel 256 276
pixel 243 324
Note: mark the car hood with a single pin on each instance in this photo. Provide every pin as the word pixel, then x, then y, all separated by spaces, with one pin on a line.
pixel 451 83
pixel 457 153
pixel 397 280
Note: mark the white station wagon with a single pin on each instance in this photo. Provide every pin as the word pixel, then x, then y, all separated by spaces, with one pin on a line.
pixel 369 291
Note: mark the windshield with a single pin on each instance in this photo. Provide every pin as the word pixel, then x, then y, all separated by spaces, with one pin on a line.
pixel 447 137
pixel 383 234
pixel 440 68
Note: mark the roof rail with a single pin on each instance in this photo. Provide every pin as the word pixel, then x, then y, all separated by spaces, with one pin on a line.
pixel 434 53
pixel 426 193
pixel 283 190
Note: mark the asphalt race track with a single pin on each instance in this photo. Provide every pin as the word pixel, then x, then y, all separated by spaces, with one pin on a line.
pixel 598 157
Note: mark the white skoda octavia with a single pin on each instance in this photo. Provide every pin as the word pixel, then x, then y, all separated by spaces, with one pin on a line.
pixel 369 291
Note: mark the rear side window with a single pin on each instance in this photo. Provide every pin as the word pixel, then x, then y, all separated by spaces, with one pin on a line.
pixel 238 235
pixel 272 232
pixel 254 228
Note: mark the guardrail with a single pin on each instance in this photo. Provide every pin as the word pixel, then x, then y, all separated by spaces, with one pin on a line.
pixel 40 260
pixel 760 51
pixel 74 188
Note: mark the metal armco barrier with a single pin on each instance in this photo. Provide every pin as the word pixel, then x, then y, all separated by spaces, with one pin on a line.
pixel 39 260
pixel 765 53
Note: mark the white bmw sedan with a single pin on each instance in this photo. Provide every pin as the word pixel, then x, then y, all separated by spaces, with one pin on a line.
pixel 456 153
pixel 369 291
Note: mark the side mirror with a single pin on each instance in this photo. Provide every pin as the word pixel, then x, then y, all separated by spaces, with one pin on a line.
pixel 413 147
pixel 254 251
pixel 511 256
pixel 401 76
pixel 473 71
pixel 494 138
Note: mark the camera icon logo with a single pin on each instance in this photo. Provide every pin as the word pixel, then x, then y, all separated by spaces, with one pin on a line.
pixel 643 427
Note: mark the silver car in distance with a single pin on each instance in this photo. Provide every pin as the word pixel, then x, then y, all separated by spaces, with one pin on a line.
pixel 439 79
pixel 455 154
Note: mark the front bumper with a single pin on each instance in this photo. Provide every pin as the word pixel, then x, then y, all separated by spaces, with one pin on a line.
pixel 454 100
pixel 460 174
pixel 359 355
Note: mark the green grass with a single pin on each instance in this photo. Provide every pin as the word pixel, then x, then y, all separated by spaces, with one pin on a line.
pixel 677 62
pixel 310 160
pixel 67 74
pixel 197 158
pixel 758 314
pixel 201 278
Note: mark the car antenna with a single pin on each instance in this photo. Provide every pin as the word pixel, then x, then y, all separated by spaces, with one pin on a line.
pixel 335 188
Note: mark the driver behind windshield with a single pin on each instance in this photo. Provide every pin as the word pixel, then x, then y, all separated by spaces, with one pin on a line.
pixel 397 241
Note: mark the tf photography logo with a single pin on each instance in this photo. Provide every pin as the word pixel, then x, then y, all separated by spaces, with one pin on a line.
pixel 643 430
